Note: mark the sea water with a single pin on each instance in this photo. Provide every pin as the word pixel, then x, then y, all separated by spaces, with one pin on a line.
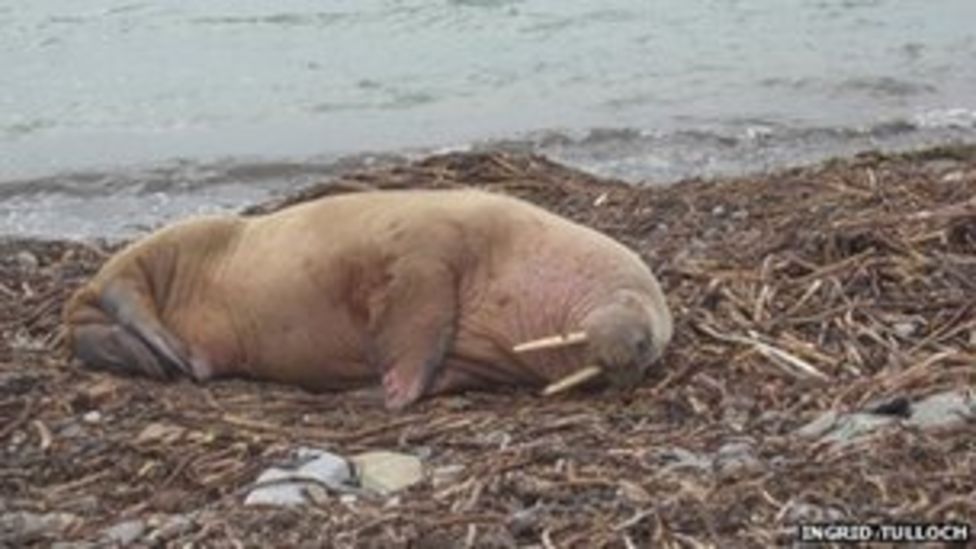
pixel 116 115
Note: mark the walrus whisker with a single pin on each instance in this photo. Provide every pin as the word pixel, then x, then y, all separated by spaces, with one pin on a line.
pixel 572 380
pixel 551 342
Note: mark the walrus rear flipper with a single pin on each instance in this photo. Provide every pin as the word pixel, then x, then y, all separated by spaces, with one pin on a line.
pixel 126 336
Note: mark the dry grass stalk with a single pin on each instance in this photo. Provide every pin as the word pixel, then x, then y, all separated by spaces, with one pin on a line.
pixel 854 274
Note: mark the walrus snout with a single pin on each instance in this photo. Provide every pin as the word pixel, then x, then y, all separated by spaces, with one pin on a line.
pixel 623 350
pixel 625 338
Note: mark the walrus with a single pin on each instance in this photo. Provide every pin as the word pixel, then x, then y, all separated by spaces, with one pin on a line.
pixel 430 292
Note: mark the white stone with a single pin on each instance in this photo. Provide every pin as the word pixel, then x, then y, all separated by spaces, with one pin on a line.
pixel 387 472
pixel 125 533
pixel 27 261
pixel 287 485
pixel 949 409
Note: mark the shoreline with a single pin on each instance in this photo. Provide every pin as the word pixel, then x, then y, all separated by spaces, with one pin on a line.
pixel 119 200
pixel 859 269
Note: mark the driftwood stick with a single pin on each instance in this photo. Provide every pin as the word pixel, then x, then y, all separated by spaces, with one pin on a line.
pixel 789 362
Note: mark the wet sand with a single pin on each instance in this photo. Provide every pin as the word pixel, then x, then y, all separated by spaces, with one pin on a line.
pixel 840 287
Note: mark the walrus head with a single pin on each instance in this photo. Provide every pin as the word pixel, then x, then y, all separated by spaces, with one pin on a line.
pixel 626 336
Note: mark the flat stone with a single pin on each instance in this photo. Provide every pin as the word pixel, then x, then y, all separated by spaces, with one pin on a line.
pixel 676 458
pixel 387 472
pixel 801 512
pixel 24 526
pixel 820 426
pixel 844 428
pixel 125 533
pixel 947 409
pixel 850 427
pixel 286 485
pixel 171 527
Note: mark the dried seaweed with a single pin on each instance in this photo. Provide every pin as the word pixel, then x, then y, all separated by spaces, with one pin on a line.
pixel 843 286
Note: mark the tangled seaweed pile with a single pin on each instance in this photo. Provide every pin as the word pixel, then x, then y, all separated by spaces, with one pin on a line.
pixel 841 287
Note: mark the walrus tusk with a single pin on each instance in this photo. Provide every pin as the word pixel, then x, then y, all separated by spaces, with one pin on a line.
pixel 572 380
pixel 551 342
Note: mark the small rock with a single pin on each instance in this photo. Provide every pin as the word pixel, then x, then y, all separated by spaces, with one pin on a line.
pixel 18 438
pixel 943 410
pixel 820 426
pixel 736 459
pixel 171 527
pixel 800 512
pixel 80 505
pixel 736 411
pixel 92 417
pixel 905 330
pixel 387 472
pixel 287 486
pixel 124 533
pixel 953 177
pixel 675 458
pixel 25 526
pixel 71 430
pixel 853 426
pixel 524 521
pixel 27 261
pixel 718 211
pixel 844 429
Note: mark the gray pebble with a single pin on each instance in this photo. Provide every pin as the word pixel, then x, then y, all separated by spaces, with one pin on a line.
pixel 125 533
pixel 25 526
pixel 27 261
pixel 171 527
pixel 735 459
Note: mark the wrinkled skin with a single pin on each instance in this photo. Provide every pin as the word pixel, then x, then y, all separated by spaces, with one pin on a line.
pixel 427 291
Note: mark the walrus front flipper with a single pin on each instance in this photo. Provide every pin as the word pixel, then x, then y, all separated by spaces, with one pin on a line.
pixel 114 348
pixel 136 313
pixel 412 322
pixel 117 329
